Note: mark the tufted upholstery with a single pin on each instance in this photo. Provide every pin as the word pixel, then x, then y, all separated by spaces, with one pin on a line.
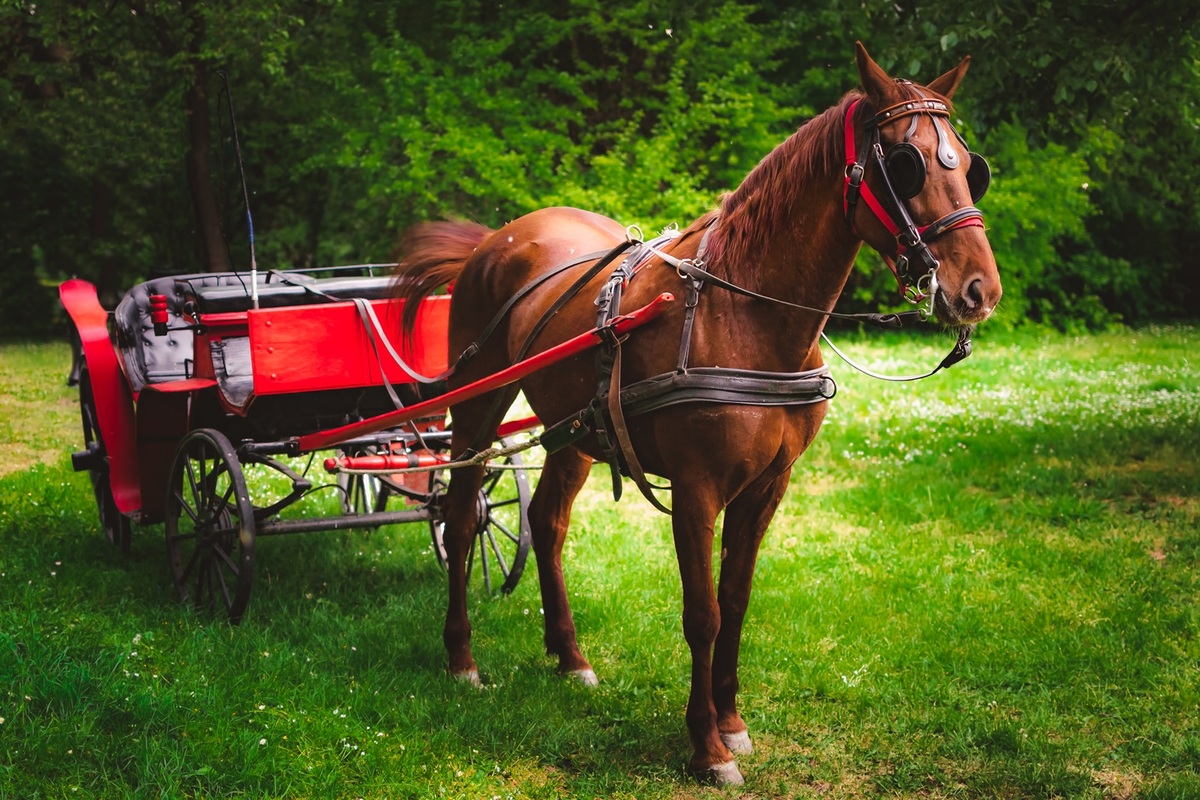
pixel 149 358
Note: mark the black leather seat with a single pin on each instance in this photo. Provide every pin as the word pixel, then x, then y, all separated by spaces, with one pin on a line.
pixel 288 290
pixel 150 358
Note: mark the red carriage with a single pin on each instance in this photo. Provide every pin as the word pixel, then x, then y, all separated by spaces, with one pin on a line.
pixel 197 382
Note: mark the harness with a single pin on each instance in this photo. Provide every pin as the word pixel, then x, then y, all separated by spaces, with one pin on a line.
pixel 606 414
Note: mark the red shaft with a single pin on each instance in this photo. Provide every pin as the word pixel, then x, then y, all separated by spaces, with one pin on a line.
pixel 394 461
pixel 571 347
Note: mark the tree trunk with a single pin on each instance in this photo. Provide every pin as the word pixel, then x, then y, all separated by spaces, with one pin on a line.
pixel 199 174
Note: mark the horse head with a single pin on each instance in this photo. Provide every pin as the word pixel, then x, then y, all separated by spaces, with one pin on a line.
pixel 920 184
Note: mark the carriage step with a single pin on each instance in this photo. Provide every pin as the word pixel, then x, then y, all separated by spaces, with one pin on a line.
pixel 88 460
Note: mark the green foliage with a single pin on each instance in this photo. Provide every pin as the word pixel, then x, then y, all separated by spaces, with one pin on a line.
pixel 1038 202
pixel 358 119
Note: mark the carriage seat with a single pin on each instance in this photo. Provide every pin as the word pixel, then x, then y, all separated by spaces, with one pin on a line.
pixel 149 358
pixel 288 290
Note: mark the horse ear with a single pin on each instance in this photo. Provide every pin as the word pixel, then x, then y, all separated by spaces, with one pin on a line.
pixel 947 84
pixel 875 82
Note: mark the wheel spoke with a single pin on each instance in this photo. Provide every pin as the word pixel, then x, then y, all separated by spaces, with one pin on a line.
pixel 190 472
pixel 219 578
pixel 491 480
pixel 503 503
pixel 187 570
pixel 500 562
pixel 483 560
pixel 203 583
pixel 183 506
pixel 220 554
pixel 224 504
pixel 514 538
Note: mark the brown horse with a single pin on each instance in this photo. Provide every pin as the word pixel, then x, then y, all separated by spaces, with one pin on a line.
pixel 791 231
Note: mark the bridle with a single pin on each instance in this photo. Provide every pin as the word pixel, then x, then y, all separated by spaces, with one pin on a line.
pixel 902 170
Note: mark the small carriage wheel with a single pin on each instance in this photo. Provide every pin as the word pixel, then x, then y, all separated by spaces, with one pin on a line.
pixel 210 525
pixel 116 526
pixel 501 542
pixel 361 494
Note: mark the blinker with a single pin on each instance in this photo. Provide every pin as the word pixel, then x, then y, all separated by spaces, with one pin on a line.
pixel 979 176
pixel 906 169
pixel 906 172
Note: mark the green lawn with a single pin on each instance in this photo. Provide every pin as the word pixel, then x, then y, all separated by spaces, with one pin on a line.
pixel 986 584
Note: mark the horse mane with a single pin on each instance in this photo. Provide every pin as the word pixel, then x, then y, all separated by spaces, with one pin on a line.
pixel 749 215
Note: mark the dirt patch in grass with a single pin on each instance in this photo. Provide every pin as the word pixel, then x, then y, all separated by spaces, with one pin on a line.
pixel 1118 785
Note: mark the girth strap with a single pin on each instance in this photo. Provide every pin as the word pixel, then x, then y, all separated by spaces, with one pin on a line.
pixel 617 417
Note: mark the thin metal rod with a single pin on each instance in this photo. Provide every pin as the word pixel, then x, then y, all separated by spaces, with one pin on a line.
pixel 280 527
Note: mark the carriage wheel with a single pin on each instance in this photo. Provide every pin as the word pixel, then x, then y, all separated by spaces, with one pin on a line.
pixel 361 494
pixel 501 542
pixel 116 526
pixel 210 525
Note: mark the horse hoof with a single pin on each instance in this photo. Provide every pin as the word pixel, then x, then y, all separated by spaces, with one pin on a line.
pixel 726 774
pixel 471 676
pixel 738 743
pixel 585 676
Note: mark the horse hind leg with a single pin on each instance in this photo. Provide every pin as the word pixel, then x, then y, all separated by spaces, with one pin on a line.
pixel 460 519
pixel 563 475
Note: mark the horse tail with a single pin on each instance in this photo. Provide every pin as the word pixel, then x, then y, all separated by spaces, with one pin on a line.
pixel 432 255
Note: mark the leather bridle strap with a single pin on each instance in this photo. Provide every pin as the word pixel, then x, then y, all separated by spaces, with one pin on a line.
pixel 912 242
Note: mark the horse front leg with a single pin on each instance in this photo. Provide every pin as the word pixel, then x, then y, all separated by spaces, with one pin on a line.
pixel 746 521
pixel 692 524
pixel 563 475
pixel 461 520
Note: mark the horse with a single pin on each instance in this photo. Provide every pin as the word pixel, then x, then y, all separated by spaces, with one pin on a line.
pixel 761 274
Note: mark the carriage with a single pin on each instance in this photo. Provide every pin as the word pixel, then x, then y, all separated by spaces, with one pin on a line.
pixel 193 394
pixel 230 384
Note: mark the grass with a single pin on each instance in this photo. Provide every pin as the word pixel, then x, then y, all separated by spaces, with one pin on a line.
pixel 982 585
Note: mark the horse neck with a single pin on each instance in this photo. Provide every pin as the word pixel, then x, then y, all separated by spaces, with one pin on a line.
pixel 782 229
pixel 783 234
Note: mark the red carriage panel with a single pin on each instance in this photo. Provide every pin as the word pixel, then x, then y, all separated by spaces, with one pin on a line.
pixel 321 347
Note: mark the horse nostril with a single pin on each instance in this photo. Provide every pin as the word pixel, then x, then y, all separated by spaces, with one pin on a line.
pixel 973 294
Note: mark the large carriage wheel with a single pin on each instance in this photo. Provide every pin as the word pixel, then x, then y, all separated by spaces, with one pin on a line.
pixel 210 525
pixel 116 526
pixel 501 542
